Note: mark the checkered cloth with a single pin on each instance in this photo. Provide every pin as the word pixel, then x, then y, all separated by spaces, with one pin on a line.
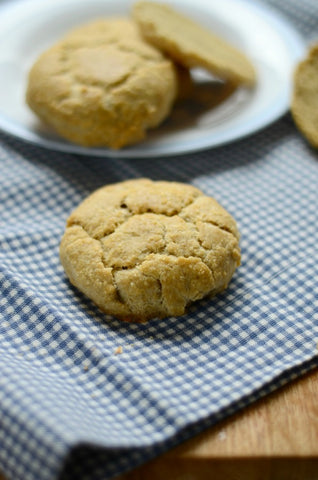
pixel 70 407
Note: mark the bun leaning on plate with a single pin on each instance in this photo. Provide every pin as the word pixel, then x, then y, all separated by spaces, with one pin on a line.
pixel 190 44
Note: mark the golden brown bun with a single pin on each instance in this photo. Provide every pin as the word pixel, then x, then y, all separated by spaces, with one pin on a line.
pixel 190 44
pixel 102 85
pixel 142 249
pixel 304 106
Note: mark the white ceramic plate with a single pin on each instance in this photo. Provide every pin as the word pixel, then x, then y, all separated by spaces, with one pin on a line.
pixel 27 27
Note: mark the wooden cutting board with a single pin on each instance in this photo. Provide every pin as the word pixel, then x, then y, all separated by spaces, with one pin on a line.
pixel 273 439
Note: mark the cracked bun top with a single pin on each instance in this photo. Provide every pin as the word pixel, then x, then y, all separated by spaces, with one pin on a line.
pixel 142 249
pixel 102 85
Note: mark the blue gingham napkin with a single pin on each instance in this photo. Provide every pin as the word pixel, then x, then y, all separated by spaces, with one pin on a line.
pixel 70 405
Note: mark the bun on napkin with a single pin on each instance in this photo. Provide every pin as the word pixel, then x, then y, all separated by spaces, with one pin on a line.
pixel 142 249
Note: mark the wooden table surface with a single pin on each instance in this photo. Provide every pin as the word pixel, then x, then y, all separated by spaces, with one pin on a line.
pixel 276 438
